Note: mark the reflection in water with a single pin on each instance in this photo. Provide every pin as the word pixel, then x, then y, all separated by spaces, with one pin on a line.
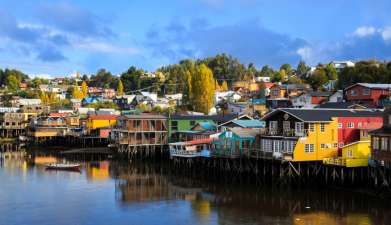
pixel 148 193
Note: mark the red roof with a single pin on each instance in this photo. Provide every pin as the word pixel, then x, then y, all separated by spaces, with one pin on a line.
pixel 53 114
pixel 200 141
pixel 103 117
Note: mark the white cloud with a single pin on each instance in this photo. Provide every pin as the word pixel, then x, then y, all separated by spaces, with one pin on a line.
pixel 386 33
pixel 305 53
pixel 95 46
pixel 364 31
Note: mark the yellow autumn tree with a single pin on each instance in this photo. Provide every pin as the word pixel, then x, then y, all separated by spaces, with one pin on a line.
pixel 217 86
pixel 43 96
pixel 84 89
pixel 76 93
pixel 202 89
pixel 120 88
pixel 224 86
pixel 187 94
pixel 52 98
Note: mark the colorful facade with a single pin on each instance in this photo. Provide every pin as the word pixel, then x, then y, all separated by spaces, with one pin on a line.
pixel 100 121
pixel 367 93
pixel 381 142
pixel 309 134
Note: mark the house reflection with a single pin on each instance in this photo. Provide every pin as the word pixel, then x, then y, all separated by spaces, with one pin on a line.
pixel 98 171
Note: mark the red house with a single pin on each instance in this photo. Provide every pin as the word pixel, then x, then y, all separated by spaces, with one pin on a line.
pixel 366 93
pixel 349 128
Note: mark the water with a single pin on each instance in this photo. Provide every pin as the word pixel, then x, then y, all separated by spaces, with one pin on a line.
pixel 110 192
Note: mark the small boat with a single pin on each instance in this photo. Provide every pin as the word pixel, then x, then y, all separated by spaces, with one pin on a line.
pixel 63 166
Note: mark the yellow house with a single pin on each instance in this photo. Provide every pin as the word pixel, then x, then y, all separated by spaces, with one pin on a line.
pixel 353 155
pixel 100 121
pixel 293 134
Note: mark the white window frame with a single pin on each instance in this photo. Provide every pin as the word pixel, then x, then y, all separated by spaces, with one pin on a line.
pixel 322 127
pixel 273 125
pixel 350 125
pixel 286 125
pixel 349 153
pixel 375 143
pixel 384 143
pixel 340 125
pixel 309 148
pixel 311 127
pixel 353 92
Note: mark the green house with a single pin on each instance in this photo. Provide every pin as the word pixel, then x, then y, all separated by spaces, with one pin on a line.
pixel 235 142
pixel 181 123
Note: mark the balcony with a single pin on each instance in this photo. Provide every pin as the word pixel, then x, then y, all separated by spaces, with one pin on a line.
pixel 285 133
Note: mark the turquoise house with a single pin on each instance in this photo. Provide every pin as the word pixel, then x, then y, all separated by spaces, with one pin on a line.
pixel 235 142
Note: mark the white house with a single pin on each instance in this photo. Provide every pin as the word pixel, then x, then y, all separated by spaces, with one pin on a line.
pixel 262 79
pixel 336 96
pixel 339 65
pixel 231 96
pixel 153 96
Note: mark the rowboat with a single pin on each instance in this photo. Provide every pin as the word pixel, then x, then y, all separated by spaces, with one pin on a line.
pixel 63 166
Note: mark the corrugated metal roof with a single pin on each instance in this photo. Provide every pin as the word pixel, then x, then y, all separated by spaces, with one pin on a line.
pixel 249 123
pixel 372 85
pixel 244 132
pixel 324 114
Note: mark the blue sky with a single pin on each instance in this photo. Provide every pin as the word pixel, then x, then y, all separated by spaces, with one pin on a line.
pixel 60 37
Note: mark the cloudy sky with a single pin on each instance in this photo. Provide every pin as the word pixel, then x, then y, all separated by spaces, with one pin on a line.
pixel 60 37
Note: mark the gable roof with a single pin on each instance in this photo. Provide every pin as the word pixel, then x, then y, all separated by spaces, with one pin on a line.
pixel 318 115
pixel 244 132
pixel 219 118
pixel 249 123
pixel 371 85
pixel 207 125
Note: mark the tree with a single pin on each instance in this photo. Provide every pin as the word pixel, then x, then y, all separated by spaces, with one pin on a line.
pixel 187 94
pixel 302 69
pixel 84 89
pixel 120 88
pixel 76 93
pixel 287 67
pixel 266 71
pixel 12 82
pixel 318 79
pixel 43 96
pixel 217 86
pixel 331 72
pixel 224 86
pixel 202 89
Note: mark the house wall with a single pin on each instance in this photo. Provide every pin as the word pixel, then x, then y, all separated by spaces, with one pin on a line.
pixel 317 138
pixel 94 124
pixel 348 135
pixel 373 97
pixel 184 124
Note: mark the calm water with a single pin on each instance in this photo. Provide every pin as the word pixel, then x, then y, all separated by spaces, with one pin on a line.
pixel 108 192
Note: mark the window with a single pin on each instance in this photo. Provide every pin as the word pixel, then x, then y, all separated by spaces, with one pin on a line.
pixel 349 154
pixel 322 127
pixel 353 92
pixel 174 125
pixel 335 145
pixel 309 148
pixel 340 144
pixel 323 145
pixel 340 125
pixel 273 125
pixel 266 145
pixel 359 125
pixel 366 91
pixel 311 127
pixel 350 125
pixel 299 127
pixel 286 125
pixel 192 122
pixel 384 143
pixel 375 143
pixel 276 146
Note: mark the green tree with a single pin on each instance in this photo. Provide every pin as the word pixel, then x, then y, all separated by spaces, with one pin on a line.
pixel 302 69
pixel 287 68
pixel 331 72
pixel 266 71
pixel 318 79
pixel 12 82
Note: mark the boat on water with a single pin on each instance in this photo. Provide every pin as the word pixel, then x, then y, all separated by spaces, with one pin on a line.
pixel 191 149
pixel 63 166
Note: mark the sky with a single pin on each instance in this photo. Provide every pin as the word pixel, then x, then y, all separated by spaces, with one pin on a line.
pixel 57 38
